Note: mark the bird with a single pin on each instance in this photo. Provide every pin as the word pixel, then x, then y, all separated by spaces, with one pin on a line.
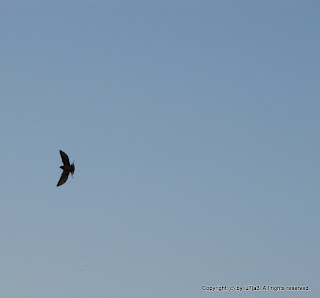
pixel 67 168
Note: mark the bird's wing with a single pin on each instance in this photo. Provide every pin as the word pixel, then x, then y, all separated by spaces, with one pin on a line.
pixel 65 158
pixel 63 178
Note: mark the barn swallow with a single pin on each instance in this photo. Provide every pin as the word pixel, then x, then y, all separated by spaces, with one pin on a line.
pixel 67 168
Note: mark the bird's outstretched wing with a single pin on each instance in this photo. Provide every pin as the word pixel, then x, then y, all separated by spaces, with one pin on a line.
pixel 65 159
pixel 63 178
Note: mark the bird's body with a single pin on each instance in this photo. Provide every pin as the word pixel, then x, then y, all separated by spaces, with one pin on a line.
pixel 67 168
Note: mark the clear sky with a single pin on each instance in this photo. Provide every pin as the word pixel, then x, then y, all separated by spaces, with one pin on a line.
pixel 194 126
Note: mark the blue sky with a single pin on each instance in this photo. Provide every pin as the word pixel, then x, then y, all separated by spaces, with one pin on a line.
pixel 194 126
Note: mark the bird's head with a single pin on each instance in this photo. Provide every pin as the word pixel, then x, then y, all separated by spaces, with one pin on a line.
pixel 72 168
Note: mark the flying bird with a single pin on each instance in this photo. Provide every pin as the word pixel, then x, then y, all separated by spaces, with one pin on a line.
pixel 67 168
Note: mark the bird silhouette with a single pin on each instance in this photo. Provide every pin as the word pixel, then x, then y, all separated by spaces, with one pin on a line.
pixel 67 168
